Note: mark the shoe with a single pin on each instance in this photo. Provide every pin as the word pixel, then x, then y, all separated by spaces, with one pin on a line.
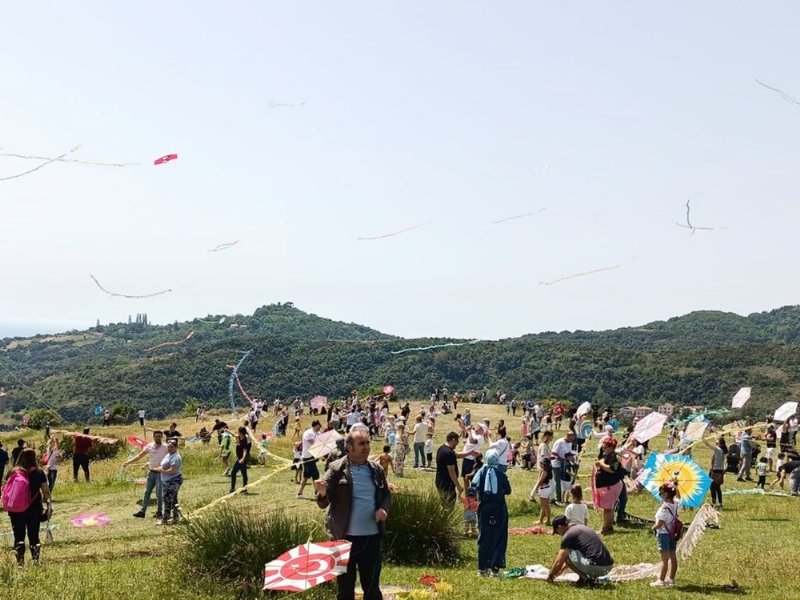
pixel 158 515
pixel 35 553
pixel 299 496
pixel 139 515
pixel 658 583
pixel 669 582
pixel 163 522
pixel 483 573
pixel 19 550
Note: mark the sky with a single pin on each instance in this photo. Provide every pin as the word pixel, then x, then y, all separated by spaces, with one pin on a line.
pixel 445 115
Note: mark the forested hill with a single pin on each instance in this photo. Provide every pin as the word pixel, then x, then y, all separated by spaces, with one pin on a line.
pixel 701 358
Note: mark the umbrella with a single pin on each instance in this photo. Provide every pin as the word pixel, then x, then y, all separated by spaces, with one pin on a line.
pixel 135 441
pixel 649 427
pixel 692 480
pixel 388 390
pixel 583 409
pixel 307 565
pixel 90 520
pixel 742 396
pixel 319 402
pixel 324 444
pixel 785 411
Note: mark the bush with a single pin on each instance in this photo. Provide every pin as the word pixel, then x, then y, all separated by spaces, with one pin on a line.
pixel 41 417
pixel 234 546
pixel 420 530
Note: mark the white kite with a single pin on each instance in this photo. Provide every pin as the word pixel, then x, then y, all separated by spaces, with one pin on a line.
pixel 649 427
pixel 785 411
pixel 741 397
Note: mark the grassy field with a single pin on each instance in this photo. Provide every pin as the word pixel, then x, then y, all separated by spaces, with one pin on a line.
pixel 136 559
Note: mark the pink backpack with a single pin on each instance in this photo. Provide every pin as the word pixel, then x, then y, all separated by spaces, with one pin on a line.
pixel 17 493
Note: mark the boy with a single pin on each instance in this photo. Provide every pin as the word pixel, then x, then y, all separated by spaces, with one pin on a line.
pixel 429 448
pixel 470 502
pixel 761 471
pixel 385 461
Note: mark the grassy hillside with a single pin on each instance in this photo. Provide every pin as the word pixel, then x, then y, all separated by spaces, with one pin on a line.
pixel 132 558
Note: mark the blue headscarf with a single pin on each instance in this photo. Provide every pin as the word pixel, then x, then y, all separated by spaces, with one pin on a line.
pixel 489 472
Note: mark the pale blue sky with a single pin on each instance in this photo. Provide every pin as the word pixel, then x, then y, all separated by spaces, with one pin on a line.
pixel 441 113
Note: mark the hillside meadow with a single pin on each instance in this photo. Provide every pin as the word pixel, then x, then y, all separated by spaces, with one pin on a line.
pixel 131 559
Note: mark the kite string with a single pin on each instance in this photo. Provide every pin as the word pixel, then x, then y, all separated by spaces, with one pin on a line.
pixel 70 160
pixel 44 164
pixel 600 270
pixel 28 388
pixel 115 294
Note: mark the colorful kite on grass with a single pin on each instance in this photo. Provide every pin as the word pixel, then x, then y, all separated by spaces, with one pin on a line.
pixel 178 343
pixel 90 520
pixel 165 159
pixel 307 565
pixel 116 295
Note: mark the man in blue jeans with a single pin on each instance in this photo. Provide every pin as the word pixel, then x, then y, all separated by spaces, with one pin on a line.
pixel 420 433
pixel 155 451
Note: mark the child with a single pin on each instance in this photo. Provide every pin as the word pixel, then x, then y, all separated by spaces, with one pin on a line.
pixel 429 447
pixel 296 434
pixel 761 471
pixel 577 512
pixel 296 458
pixel 544 490
pixel 470 502
pixel 263 446
pixel 385 460
pixel 527 456
pixel 665 517
pixel 566 476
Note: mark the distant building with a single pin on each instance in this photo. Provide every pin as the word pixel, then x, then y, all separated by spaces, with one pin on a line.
pixel 666 409
pixel 626 412
pixel 641 411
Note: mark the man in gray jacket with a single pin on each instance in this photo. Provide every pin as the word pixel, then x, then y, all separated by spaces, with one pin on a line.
pixel 357 498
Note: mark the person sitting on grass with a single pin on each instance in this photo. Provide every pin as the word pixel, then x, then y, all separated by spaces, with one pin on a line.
pixel 581 550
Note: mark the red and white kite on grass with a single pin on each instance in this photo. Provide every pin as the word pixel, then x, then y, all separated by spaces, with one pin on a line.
pixel 742 396
pixel 307 565
pixel 90 520
pixel 649 427
pixel 165 159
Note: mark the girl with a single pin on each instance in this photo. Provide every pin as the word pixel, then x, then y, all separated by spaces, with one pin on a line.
pixel 717 473
pixel 544 489
pixel 54 456
pixel 665 517
pixel 401 440
pixel 577 512
pixel 544 448
pixel 263 449
pixel 29 519
pixel 297 467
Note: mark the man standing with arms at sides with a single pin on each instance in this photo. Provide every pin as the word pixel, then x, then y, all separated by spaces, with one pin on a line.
pixel 560 448
pixel 80 454
pixel 746 452
pixel 420 429
pixel 156 451
pixel 141 418
pixel 310 470
pixel 447 481
pixel 357 498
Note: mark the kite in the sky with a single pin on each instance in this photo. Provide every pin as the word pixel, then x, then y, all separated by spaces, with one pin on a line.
pixel 272 105
pixel 165 159
pixel 600 270
pixel 741 397
pixel 689 225
pixel 186 339
pixel 386 235
pixel 434 346
pixel 114 294
pixel 44 164
pixel 529 214
pixel 224 246
pixel 783 94
pixel 93 163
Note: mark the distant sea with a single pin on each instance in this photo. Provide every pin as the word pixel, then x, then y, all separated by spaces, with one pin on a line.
pixel 23 329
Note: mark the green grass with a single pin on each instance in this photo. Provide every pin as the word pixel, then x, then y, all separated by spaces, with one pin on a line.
pixel 135 559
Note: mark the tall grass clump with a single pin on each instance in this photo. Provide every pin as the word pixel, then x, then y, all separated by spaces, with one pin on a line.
pixel 421 530
pixel 234 546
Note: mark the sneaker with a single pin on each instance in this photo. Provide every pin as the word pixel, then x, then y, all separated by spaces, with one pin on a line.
pixel 299 496
pixel 669 582
pixel 163 522
pixel 483 573
pixel 158 515
pixel 139 515
pixel 658 583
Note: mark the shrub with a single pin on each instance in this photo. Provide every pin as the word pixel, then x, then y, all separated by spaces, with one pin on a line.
pixel 421 530
pixel 41 417
pixel 234 546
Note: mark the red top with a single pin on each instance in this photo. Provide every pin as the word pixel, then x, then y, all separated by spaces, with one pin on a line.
pixel 81 444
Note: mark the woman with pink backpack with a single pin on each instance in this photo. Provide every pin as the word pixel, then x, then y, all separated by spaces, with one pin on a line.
pixel 24 494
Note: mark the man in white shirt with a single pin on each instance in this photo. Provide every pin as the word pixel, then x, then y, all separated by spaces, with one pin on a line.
pixel 156 452
pixel 560 448
pixel 475 443
pixel 420 431
pixel 310 470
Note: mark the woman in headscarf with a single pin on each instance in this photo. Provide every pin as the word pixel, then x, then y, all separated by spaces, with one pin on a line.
pixel 491 486
pixel 608 477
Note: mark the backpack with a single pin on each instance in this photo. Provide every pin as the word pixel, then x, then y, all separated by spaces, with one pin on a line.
pixel 17 492
pixel 676 529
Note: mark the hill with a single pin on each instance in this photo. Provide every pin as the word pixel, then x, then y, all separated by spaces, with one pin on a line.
pixel 700 358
